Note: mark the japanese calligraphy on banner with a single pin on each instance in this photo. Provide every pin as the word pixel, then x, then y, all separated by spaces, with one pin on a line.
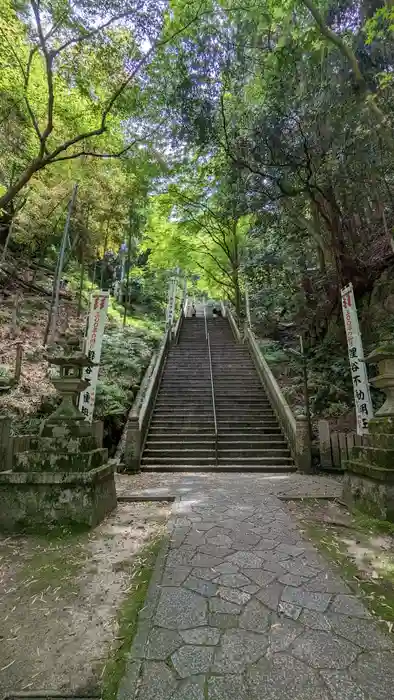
pixel 362 397
pixel 171 301
pixel 93 341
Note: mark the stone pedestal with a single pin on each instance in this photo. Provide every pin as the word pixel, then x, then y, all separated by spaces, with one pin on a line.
pixel 62 477
pixel 368 482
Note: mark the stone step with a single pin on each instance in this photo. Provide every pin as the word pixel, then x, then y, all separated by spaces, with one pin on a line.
pixel 240 426
pixel 172 453
pixel 186 432
pixel 208 464
pixel 253 436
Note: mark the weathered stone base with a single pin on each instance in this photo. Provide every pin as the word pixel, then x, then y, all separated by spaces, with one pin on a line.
pixel 36 500
pixel 372 496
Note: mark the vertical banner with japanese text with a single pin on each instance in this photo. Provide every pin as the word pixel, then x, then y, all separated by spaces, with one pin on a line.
pixel 93 342
pixel 171 302
pixel 362 396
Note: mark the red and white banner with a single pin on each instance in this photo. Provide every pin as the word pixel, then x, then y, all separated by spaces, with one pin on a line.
pixel 362 396
pixel 93 343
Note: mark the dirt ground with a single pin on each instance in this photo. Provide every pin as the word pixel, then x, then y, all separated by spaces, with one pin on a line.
pixel 360 546
pixel 59 599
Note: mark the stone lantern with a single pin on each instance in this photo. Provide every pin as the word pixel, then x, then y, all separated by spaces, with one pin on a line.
pixel 62 477
pixel 69 384
pixel 384 358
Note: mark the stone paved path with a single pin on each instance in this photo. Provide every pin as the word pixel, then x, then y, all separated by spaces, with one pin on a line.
pixel 241 608
pixel 161 484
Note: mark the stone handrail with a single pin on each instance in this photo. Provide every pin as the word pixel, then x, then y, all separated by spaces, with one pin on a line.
pixel 178 325
pixel 138 422
pixel 295 429
pixel 233 325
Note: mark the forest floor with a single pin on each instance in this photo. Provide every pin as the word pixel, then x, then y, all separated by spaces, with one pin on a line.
pixel 65 601
pixel 23 319
pixel 360 547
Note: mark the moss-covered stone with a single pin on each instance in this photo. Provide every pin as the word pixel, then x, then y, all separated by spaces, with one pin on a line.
pixel 371 492
pixel 35 501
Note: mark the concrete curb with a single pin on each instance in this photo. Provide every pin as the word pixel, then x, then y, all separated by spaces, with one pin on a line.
pixel 129 685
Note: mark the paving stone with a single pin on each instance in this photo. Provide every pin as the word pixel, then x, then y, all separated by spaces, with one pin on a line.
pixel 189 690
pixel 179 608
pixel 204 572
pixel 273 567
pixel 255 617
pixel 223 606
pixel 349 605
pixel 195 539
pixel 252 588
pixel 226 568
pixel 270 595
pixel 192 659
pixel 157 681
pixel 327 582
pixel 215 551
pixel 201 635
pixel 315 620
pixel 227 688
pixel 238 648
pixel 262 578
pixel 299 568
pixel 289 610
pixel 244 538
pixel 223 621
pixel 272 555
pixel 175 577
pixel 284 678
pixel 205 526
pixel 205 560
pixel 246 560
pixel 360 631
pixel 232 580
pixel 374 673
pixel 306 599
pixel 178 536
pixel 324 650
pixel 342 687
pixel 220 540
pixel 233 595
pixel 290 549
pixel 205 588
pixel 283 632
pixel 266 544
pixel 162 643
pixel 292 579
pixel 180 557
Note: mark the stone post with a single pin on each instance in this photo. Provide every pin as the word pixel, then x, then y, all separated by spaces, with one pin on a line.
pixel 5 443
pixel 303 445
pixel 132 450
pixel 368 482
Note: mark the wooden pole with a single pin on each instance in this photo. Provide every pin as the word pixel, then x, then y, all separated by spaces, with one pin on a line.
pixel 60 266
pixel 126 300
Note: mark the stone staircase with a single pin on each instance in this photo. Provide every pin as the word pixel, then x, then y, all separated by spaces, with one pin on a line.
pixel 181 434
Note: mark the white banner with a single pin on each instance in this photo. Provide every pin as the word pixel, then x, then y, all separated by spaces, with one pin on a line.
pixel 171 301
pixel 93 343
pixel 362 396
